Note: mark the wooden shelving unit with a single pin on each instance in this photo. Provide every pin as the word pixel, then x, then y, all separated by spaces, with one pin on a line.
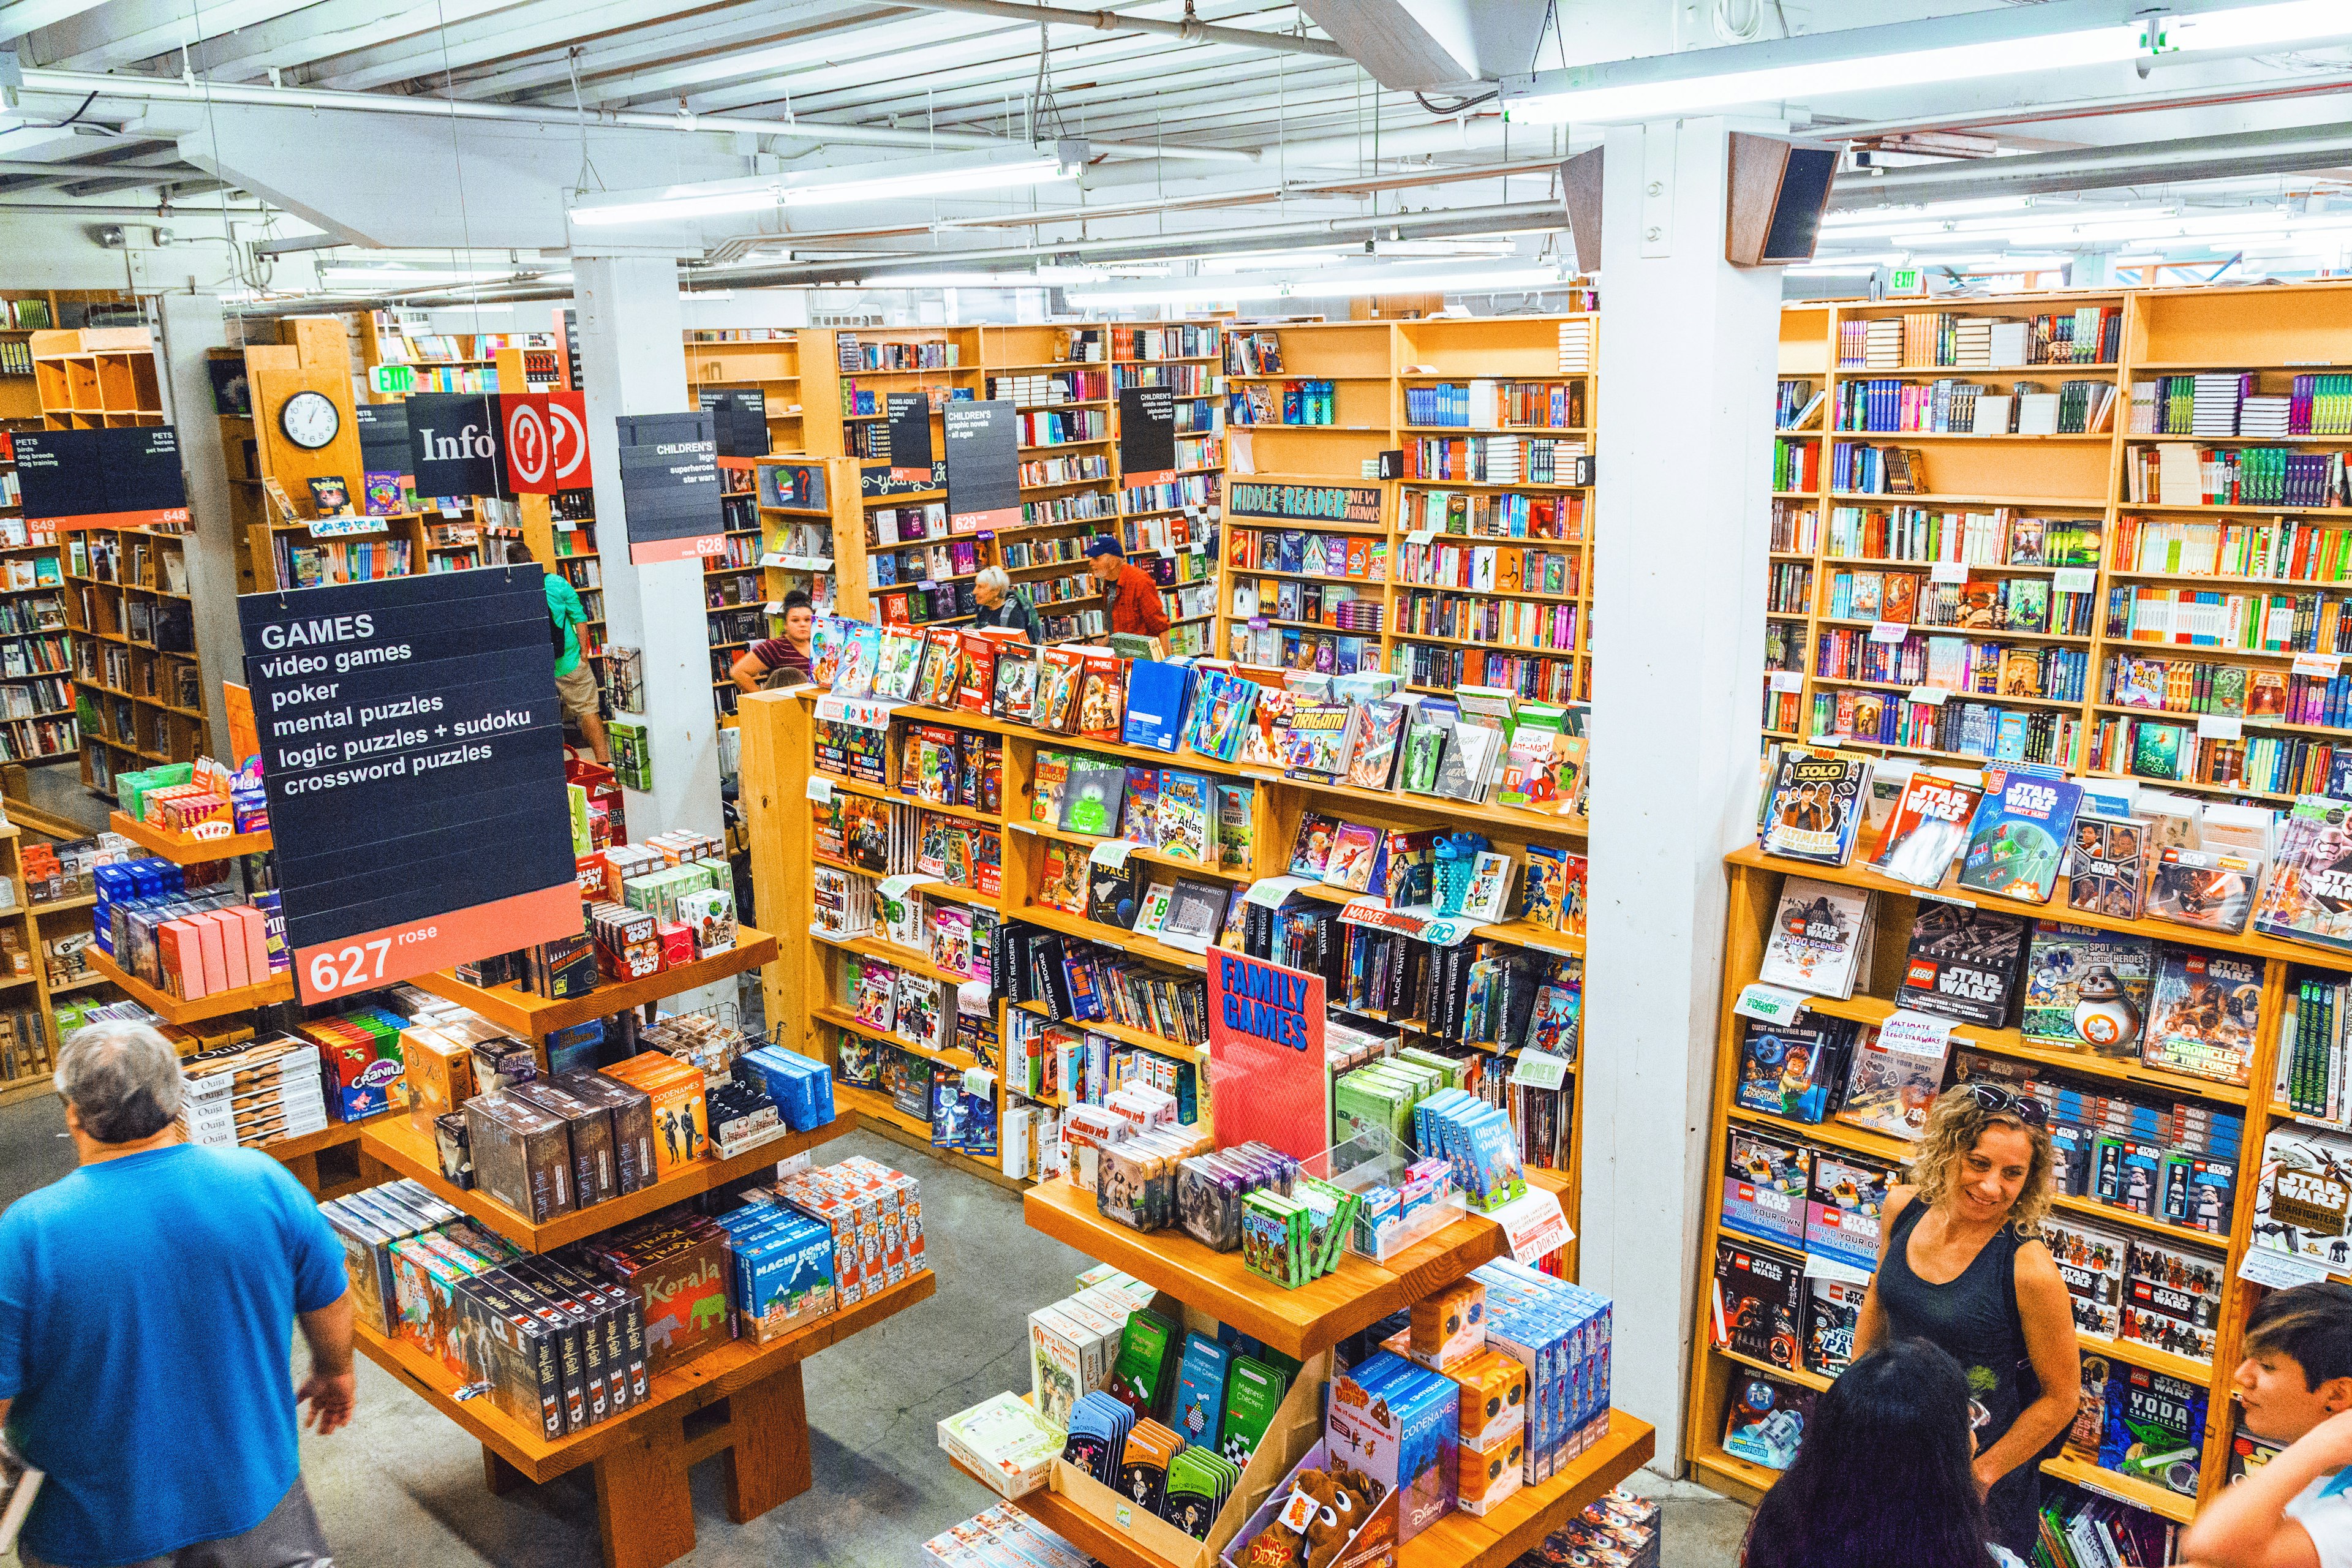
pixel 1755 881
pixel 531 1017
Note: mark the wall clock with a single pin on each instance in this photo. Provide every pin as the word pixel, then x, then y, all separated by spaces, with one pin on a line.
pixel 310 420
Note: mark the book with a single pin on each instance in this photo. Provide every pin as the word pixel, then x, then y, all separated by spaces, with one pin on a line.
pixel 2212 890
pixel 1547 889
pixel 2105 864
pixel 1372 748
pixel 1927 830
pixel 1793 1070
pixel 2155 1429
pixel 1316 743
pixel 1466 765
pixel 2017 841
pixel 1196 912
pixel 1182 819
pixel 1963 963
pixel 1092 797
pixel 1817 937
pixel 2204 1015
pixel 1311 852
pixel 1355 850
pixel 1017 684
pixel 1102 698
pixel 2086 989
pixel 2309 895
pixel 1490 886
pixel 1427 732
pixel 1112 892
pixel 1236 825
pixel 1895 1078
pixel 1816 807
pixel 1140 819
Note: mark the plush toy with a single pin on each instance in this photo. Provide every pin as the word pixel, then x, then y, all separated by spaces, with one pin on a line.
pixel 1367 1491
pixel 1333 1521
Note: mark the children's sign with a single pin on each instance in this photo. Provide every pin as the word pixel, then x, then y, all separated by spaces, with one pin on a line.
pixel 1266 1074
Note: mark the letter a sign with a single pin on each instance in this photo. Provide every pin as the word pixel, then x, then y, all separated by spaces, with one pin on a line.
pixel 546 442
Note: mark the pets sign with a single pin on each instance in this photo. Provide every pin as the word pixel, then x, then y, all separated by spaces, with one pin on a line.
pixel 1266 1074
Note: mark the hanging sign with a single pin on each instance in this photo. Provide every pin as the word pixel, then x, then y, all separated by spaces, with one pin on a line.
pixel 546 445
pixel 453 443
pixel 412 750
pixel 1267 1077
pixel 740 421
pixel 669 486
pixel 983 460
pixel 1147 435
pixel 909 431
pixel 101 479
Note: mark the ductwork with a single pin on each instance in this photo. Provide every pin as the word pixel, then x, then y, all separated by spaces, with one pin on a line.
pixel 75 86
pixel 126 175
pixel 2239 155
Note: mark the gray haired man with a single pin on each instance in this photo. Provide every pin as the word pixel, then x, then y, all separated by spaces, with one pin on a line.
pixel 147 1308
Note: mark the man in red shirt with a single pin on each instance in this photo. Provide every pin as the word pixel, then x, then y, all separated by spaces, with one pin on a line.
pixel 1134 597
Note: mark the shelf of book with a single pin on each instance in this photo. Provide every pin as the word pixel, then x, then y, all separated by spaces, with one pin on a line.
pixel 1756 891
pixel 176 1010
pixel 393 1142
pixel 531 1017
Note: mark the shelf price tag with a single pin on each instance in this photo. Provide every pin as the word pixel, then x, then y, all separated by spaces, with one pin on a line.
pixel 2280 1271
pixel 1948 571
pixel 2323 666
pixel 1113 853
pixel 1819 1268
pixel 1933 696
pixel 1768 1003
pixel 1533 1223
pixel 820 789
pixel 2074 579
pixel 1890 631
pixel 895 888
pixel 2221 726
pixel 1786 680
pixel 1421 536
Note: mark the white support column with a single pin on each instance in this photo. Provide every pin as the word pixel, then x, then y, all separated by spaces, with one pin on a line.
pixel 192 324
pixel 632 360
pixel 1688 356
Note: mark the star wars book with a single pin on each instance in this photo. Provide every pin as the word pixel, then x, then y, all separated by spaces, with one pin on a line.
pixel 2086 989
pixel 1816 807
pixel 2018 839
pixel 1756 1301
pixel 1818 937
pixel 2155 1429
pixel 2212 890
pixel 1833 1311
pixel 2204 1016
pixel 1793 1070
pixel 1928 829
pixel 1896 1076
pixel 2309 895
pixel 1764 1183
pixel 2104 866
pixel 2090 1258
pixel 1963 963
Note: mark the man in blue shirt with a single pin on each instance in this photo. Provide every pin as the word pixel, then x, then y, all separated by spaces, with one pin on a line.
pixel 147 1304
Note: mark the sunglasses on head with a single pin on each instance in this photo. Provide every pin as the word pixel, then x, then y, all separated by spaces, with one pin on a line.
pixel 2025 1108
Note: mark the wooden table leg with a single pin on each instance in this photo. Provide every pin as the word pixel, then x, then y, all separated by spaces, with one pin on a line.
pixel 769 1460
pixel 643 1505
pixel 499 1475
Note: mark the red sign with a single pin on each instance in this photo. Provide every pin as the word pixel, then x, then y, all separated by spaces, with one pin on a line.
pixel 1266 1074
pixel 546 444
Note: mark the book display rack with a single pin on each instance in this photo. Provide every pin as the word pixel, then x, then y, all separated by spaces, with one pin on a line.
pixel 2116 1251
pixel 1472 566
pixel 28 1030
pixel 2118 555
pixel 1003 864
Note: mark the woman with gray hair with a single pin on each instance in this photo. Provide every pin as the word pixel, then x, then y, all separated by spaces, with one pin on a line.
pixel 1000 607
pixel 147 1306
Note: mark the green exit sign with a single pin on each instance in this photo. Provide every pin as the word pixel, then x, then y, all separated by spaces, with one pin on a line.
pixel 1905 280
pixel 391 378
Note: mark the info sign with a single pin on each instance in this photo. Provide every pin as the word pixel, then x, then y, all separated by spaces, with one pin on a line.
pixel 1267 1077
pixel 411 750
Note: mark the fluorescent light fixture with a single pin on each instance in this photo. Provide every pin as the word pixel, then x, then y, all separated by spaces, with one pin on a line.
pixel 1338 282
pixel 2065 35
pixel 826 188
pixel 1931 212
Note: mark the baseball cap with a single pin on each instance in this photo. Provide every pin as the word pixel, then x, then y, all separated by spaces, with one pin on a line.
pixel 1103 545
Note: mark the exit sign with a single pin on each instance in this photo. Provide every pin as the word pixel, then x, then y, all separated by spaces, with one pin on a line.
pixel 1905 280
pixel 391 378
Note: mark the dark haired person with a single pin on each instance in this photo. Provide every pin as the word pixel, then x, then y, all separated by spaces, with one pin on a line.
pixel 794 654
pixel 1892 1429
pixel 2294 1387
pixel 1962 1265
pixel 148 1303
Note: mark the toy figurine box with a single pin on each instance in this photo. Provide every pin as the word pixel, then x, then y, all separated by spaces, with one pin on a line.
pixel 1401 1423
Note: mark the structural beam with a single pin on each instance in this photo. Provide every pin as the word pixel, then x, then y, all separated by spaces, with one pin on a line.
pixel 1190 30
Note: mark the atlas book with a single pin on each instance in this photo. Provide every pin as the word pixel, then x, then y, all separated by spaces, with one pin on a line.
pixel 1816 808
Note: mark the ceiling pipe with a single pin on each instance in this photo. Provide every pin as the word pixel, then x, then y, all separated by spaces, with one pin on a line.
pixel 78 85
pixel 2083 108
pixel 61 173
pixel 2238 155
pixel 1190 29
pixel 1463 222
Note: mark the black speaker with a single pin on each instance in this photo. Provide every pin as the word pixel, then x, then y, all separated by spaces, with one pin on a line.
pixel 1778 189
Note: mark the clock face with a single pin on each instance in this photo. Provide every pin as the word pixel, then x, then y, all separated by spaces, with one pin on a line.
pixel 310 420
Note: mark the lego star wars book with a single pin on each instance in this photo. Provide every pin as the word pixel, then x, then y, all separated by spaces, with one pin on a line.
pixel 1757 1297
pixel 1819 936
pixel 1794 1070
pixel 1963 963
pixel 2204 1015
pixel 2086 988
pixel 2212 890
pixel 2155 1429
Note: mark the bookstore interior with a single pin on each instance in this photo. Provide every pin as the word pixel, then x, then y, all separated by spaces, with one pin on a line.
pixel 1481 990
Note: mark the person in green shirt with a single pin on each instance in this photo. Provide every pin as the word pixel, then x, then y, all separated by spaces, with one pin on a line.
pixel 575 683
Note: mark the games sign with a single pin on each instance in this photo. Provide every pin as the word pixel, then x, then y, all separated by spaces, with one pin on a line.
pixel 1268 1079
pixel 412 750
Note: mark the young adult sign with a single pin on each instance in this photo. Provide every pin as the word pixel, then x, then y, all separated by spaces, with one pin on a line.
pixel 101 479
pixel 910 434
pixel 983 458
pixel 1267 1077
pixel 412 750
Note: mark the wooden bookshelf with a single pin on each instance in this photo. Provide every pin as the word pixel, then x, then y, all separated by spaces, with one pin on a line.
pixel 1756 881
pixel 25 1065
pixel 178 1010
pixel 532 1017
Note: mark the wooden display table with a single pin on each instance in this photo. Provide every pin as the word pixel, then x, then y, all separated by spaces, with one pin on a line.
pixel 739 1400
pixel 742 1402
pixel 531 1017
pixel 174 1009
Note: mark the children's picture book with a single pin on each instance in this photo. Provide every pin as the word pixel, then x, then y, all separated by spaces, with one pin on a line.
pixel 1062 879
pixel 2018 839
pixel 2086 988
pixel 1222 711
pixel 1312 851
pixel 1963 963
pixel 1354 850
pixel 1093 796
pixel 1049 784
pixel 1111 893
pixel 901 661
pixel 1547 894
pixel 1316 748
pixel 1183 818
pixel 1138 819
pixel 1102 698
pixel 1818 934
pixel 2104 866
pixel 1016 683
pixel 1236 827
pixel 1552 1024
pixel 1490 886
pixel 331 496
pixel 860 650
pixel 1817 806
pixel 383 494
pixel 1373 745
pixel 2309 895
pixel 1056 707
pixel 1764 1182
pixel 1196 912
pixel 2155 1429
pixel 2212 890
pixel 1793 1070
pixel 1153 914
pixel 1928 829
pixel 2204 1015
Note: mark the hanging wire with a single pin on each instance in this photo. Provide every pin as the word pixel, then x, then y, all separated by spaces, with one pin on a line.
pixel 580 111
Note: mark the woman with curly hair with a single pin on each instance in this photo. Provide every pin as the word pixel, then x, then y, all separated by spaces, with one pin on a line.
pixel 1962 1264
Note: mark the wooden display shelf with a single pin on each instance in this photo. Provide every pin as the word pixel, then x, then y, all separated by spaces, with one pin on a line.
pixel 1144 947
pixel 1354 1295
pixel 187 851
pixel 947 1056
pixel 533 1017
pixel 1457 1541
pixel 1159 1044
pixel 2072 1466
pixel 173 1009
pixel 1742 1480
pixel 393 1143
pixel 757 1419
pixel 878 1115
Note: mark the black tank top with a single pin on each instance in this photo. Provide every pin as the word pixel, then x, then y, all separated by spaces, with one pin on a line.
pixel 1975 1320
